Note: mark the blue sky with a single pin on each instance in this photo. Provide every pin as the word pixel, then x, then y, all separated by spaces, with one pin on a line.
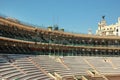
pixel 72 15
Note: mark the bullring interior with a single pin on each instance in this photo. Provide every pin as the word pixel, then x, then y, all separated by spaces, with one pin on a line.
pixel 31 53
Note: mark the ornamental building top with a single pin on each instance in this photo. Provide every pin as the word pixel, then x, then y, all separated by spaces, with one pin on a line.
pixel 108 30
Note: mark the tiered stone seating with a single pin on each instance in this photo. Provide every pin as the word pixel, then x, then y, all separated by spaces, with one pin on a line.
pixel 51 66
pixel 94 78
pixel 8 71
pixel 31 67
pixel 30 70
pixel 103 65
pixel 115 61
pixel 116 64
pixel 76 64
pixel 20 68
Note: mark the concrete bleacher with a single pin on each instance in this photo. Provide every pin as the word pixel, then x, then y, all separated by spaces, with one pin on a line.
pixel 115 61
pixel 76 64
pixel 104 65
pixel 8 71
pixel 52 66
pixel 39 67
pixel 21 68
